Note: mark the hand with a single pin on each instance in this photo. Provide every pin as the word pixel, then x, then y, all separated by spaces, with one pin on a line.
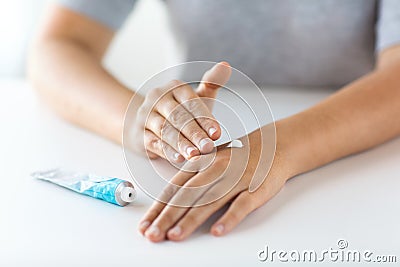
pixel 176 122
pixel 228 180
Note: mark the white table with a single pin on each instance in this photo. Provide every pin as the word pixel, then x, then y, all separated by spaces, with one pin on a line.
pixel 356 199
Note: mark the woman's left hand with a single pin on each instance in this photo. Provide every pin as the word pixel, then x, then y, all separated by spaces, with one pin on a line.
pixel 227 179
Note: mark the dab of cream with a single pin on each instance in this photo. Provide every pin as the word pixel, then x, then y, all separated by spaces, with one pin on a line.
pixel 235 144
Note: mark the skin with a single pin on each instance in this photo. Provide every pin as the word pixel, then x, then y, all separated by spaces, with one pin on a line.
pixel 91 98
pixel 176 122
pixel 358 117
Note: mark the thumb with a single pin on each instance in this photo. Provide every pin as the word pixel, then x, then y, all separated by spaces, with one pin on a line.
pixel 212 80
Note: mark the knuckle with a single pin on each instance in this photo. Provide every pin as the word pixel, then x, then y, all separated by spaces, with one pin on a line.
pixel 184 93
pixel 206 122
pixel 170 135
pixel 154 94
pixel 156 123
pixel 156 144
pixel 168 192
pixel 175 83
pixel 194 134
pixel 177 117
pixel 166 129
pixel 152 142
pixel 194 105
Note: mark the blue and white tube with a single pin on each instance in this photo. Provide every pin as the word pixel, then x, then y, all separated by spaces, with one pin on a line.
pixel 112 190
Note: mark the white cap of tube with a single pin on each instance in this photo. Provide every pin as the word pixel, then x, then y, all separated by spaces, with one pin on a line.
pixel 128 194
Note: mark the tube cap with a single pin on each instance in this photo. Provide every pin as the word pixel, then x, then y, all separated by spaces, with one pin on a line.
pixel 128 194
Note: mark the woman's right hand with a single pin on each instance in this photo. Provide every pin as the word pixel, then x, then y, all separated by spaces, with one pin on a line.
pixel 174 121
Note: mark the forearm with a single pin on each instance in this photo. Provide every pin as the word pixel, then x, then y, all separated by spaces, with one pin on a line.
pixel 73 82
pixel 359 116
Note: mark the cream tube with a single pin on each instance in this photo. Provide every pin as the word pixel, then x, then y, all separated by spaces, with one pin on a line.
pixel 112 190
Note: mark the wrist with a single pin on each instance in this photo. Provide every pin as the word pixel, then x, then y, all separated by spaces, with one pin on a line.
pixel 288 145
pixel 295 148
pixel 268 153
pixel 285 157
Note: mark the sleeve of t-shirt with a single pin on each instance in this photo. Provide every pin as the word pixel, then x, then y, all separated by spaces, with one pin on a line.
pixel 388 27
pixel 111 13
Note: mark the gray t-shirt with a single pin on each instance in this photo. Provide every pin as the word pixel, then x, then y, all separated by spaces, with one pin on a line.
pixel 275 42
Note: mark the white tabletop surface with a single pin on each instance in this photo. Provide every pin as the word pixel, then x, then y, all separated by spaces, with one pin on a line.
pixel 355 199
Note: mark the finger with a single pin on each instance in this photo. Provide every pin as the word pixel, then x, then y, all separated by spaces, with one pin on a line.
pixel 245 203
pixel 238 210
pixel 161 224
pixel 214 188
pixel 178 180
pixel 199 163
pixel 194 218
pixel 183 199
pixel 152 155
pixel 156 146
pixel 168 134
pixel 197 186
pixel 196 106
pixel 184 122
pixel 223 174
pixel 212 80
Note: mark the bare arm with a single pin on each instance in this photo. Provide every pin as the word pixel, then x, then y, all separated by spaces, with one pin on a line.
pixel 65 67
pixel 361 115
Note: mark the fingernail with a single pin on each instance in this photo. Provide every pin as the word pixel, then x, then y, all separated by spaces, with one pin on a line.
pixel 176 156
pixel 144 224
pixel 206 145
pixel 224 63
pixel 219 229
pixel 212 131
pixel 153 231
pixel 176 231
pixel 190 150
